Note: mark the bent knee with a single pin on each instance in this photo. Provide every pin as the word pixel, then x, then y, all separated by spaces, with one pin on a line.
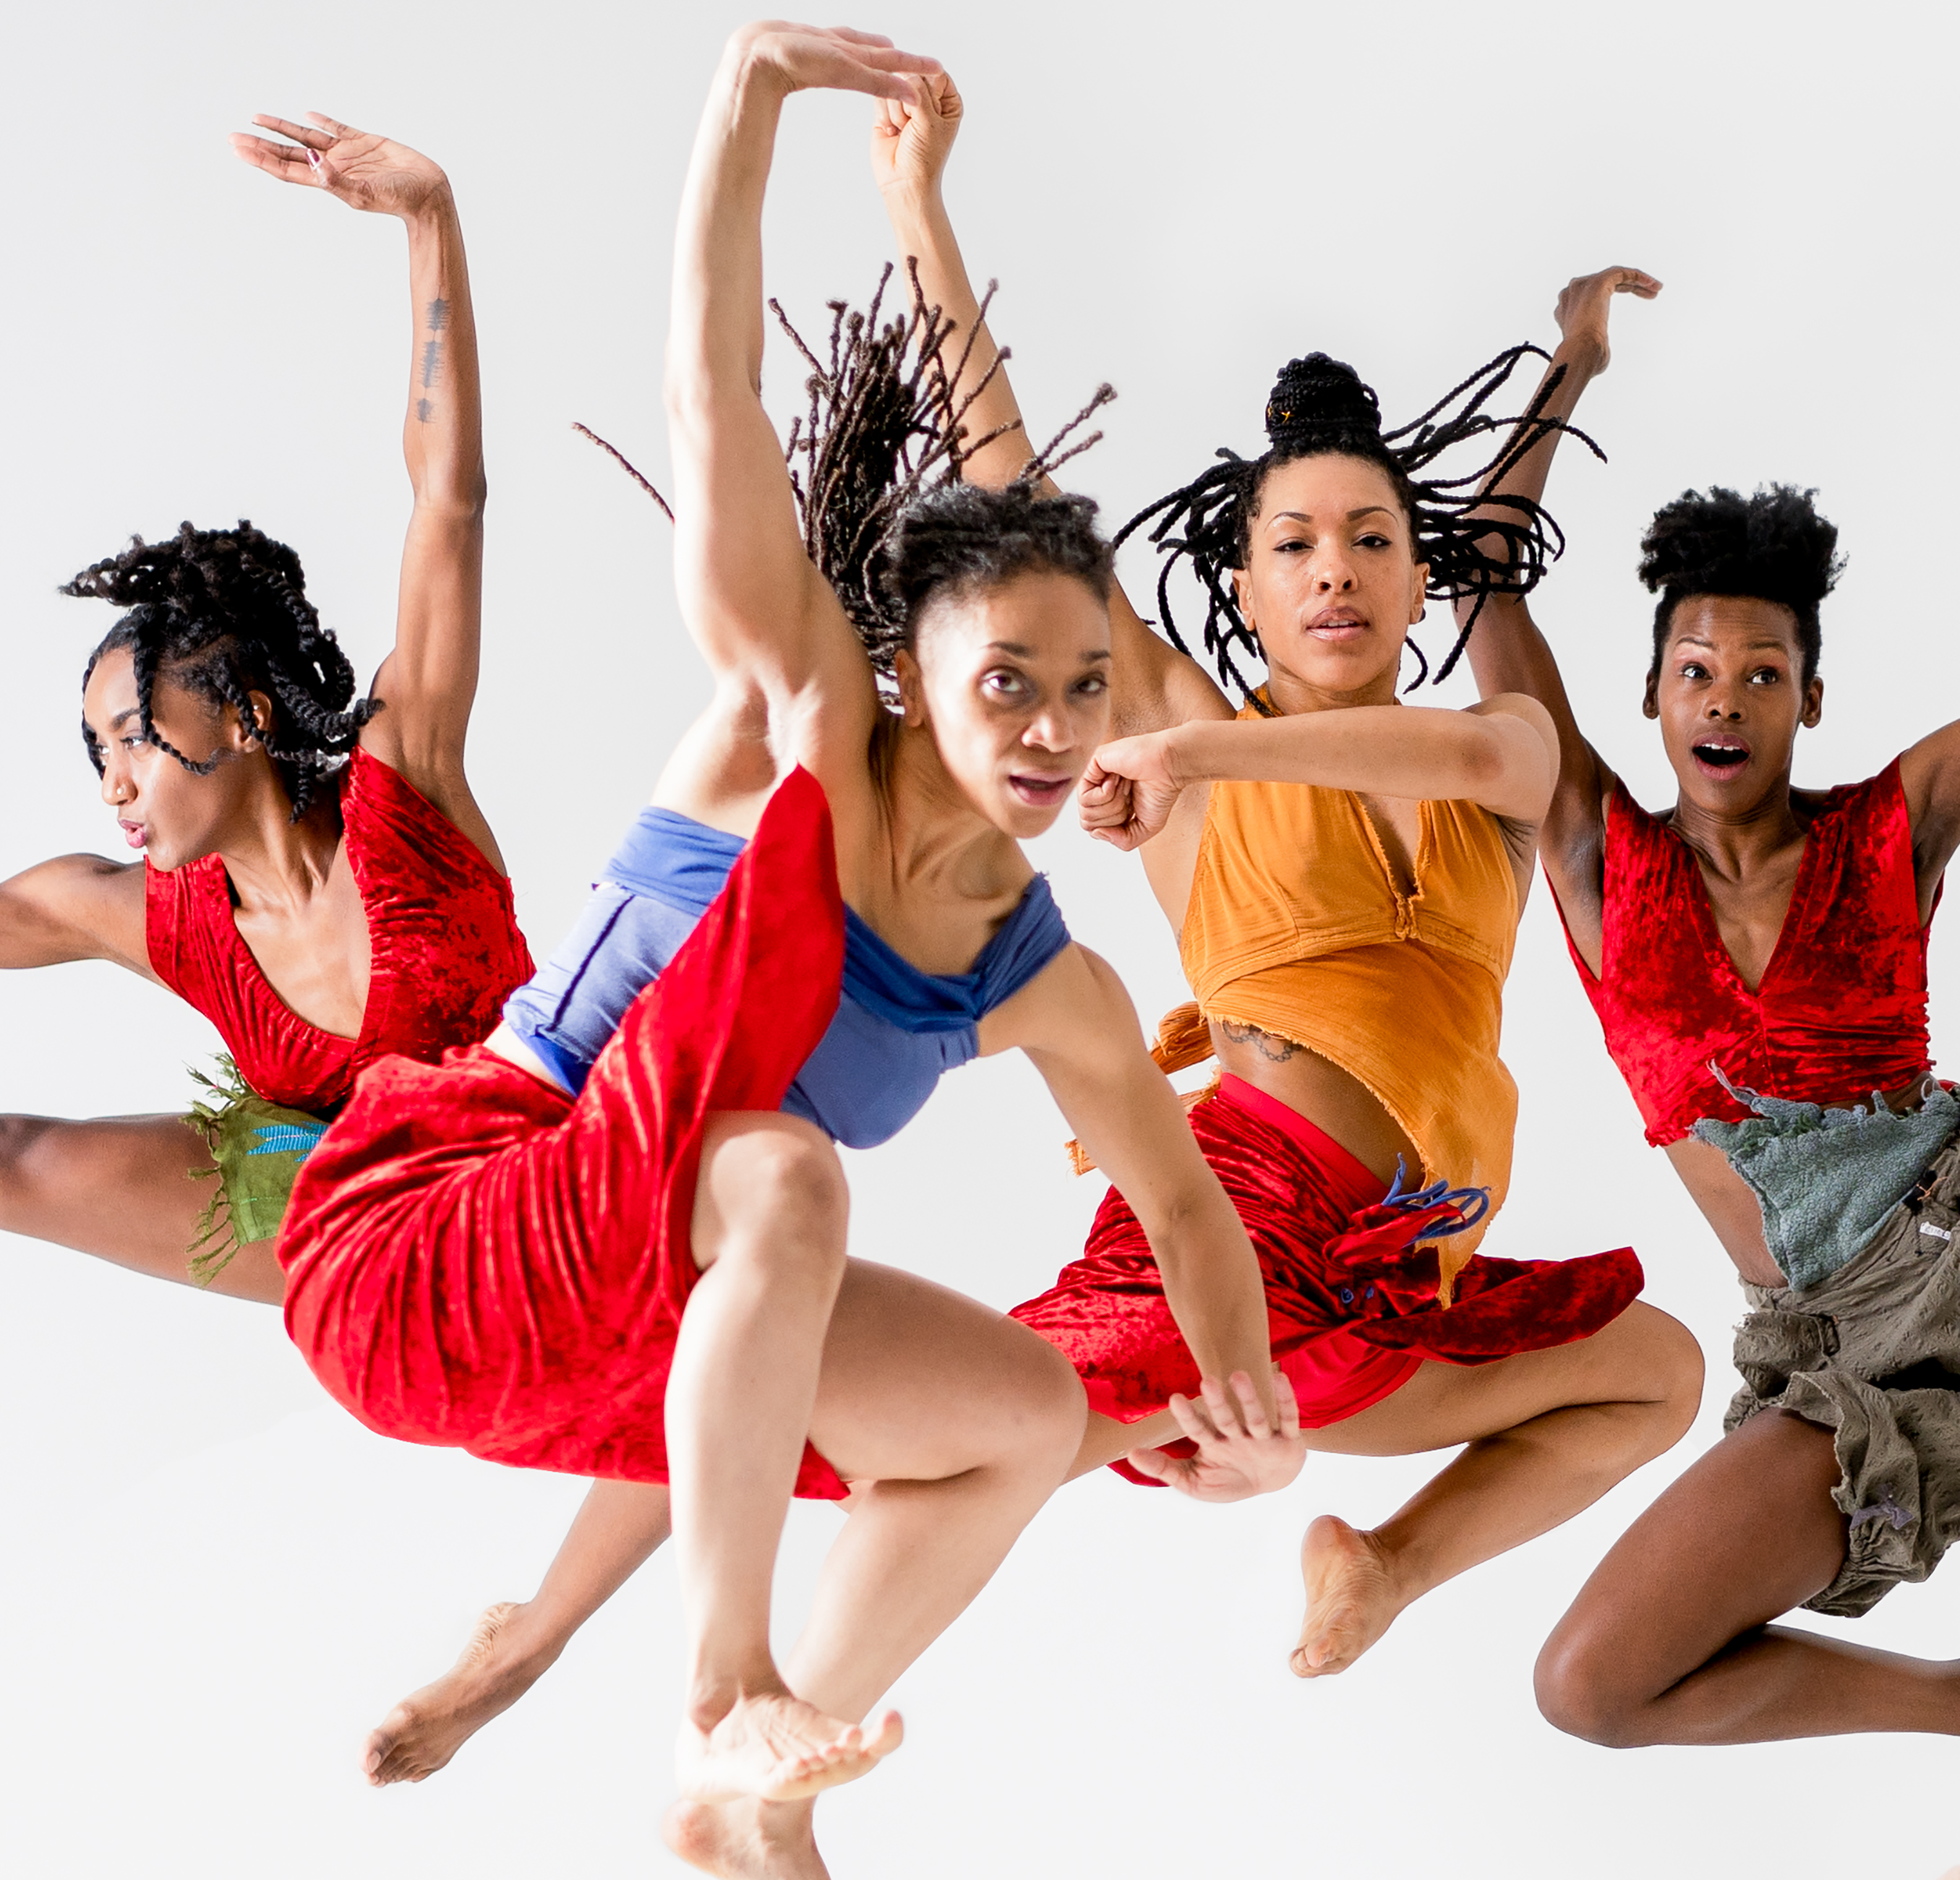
pixel 1666 1365
pixel 774 1187
pixel 1044 1409
pixel 1583 1690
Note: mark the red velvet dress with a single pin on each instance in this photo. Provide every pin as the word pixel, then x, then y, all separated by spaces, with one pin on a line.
pixel 1841 1009
pixel 446 948
pixel 475 1259
pixel 1350 1298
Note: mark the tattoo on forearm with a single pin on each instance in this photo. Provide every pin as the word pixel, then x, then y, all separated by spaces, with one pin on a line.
pixel 1269 1045
pixel 431 362
pixel 424 410
pixel 438 316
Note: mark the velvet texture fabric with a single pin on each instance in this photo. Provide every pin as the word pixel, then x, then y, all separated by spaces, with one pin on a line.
pixel 1841 1009
pixel 475 1259
pixel 446 949
pixel 1350 1293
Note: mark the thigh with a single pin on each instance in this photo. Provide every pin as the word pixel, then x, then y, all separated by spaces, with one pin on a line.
pixel 1642 1357
pixel 920 1382
pixel 1748 1531
pixel 124 1188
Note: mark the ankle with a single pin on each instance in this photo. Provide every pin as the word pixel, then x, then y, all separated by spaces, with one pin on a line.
pixel 710 1697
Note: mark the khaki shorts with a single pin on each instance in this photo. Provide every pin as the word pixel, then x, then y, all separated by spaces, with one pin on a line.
pixel 1872 1353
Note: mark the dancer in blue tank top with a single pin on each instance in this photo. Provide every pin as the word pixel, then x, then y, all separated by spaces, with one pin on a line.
pixel 935 657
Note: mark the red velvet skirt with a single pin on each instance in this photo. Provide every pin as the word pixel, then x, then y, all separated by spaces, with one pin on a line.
pixel 475 1259
pixel 1350 1292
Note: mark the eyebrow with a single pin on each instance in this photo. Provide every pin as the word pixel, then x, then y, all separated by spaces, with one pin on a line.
pixel 1020 651
pixel 1353 515
pixel 123 718
pixel 1695 639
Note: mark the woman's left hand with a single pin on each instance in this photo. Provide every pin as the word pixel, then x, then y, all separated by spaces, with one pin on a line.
pixel 1240 1452
pixel 911 139
pixel 364 171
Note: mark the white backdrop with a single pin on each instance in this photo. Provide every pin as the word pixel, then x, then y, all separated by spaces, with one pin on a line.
pixel 215 1582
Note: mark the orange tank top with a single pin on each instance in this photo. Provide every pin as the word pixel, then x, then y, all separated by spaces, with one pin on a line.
pixel 1296 925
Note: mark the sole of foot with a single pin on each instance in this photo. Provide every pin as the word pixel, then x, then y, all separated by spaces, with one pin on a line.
pixel 772 1747
pixel 745 1841
pixel 426 1728
pixel 1350 1596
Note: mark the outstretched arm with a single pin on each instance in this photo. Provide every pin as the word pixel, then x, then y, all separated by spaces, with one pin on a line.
pixel 75 907
pixel 1501 753
pixel 1507 652
pixel 1076 1024
pixel 1153 684
pixel 428 683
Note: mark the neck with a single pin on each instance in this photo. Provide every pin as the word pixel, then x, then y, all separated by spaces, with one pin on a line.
pixel 273 862
pixel 932 832
pixel 1735 843
pixel 1288 693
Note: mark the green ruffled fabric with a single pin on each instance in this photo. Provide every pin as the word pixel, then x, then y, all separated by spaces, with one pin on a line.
pixel 256 1148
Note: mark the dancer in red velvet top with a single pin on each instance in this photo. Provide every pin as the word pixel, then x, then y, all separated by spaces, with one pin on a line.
pixel 316 878
pixel 1757 956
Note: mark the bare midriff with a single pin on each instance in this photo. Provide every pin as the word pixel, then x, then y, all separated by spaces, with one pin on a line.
pixel 1729 1204
pixel 1329 1098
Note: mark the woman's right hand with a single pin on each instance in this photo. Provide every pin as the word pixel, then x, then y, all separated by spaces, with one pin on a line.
pixel 1584 304
pixel 1129 789
pixel 912 137
pixel 826 59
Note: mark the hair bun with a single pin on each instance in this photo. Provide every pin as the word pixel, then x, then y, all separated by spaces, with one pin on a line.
pixel 1317 395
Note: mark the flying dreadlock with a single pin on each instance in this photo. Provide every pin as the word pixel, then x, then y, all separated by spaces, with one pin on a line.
pixel 1474 544
pixel 225 613
pixel 876 464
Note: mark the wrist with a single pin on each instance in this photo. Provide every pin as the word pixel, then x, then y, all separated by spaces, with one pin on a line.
pixel 1581 354
pixel 434 213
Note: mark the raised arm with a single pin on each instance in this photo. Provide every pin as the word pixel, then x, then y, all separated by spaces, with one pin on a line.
pixel 1153 684
pixel 765 618
pixel 428 683
pixel 1076 1024
pixel 1501 754
pixel 1508 654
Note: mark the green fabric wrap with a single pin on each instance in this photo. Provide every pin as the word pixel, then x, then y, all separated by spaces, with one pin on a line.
pixel 257 1148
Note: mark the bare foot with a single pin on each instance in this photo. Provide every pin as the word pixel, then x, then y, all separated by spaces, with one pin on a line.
pixel 775 1748
pixel 421 1734
pixel 1351 1599
pixel 745 1840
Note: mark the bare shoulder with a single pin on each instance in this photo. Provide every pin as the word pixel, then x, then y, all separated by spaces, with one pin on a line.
pixel 1076 1007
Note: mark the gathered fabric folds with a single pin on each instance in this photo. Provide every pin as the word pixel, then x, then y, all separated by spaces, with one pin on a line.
pixel 1351 1277
pixel 477 1261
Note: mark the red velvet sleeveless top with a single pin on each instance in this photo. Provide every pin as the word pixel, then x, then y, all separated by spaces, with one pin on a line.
pixel 1841 1009
pixel 447 950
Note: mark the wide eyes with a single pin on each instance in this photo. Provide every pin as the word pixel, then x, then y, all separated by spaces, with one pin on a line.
pixel 1093 686
pixel 1761 675
pixel 1012 687
pixel 1005 685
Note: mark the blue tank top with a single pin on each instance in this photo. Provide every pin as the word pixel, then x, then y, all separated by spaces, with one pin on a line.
pixel 898 1030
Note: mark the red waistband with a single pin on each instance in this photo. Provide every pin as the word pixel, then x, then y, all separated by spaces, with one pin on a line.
pixel 1355 1185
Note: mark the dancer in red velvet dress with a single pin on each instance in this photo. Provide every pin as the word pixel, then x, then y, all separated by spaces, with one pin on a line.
pixel 611 1240
pixel 316 878
pixel 1757 956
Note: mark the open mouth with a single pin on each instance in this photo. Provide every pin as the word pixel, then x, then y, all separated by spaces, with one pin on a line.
pixel 1041 793
pixel 133 833
pixel 1720 757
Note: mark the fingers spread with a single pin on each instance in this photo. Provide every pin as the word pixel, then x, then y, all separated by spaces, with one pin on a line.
pixel 332 124
pixel 1288 1402
pixel 1193 1420
pixel 1152 1462
pixel 1251 1411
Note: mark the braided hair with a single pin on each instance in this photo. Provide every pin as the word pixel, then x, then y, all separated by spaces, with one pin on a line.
pixel 876 463
pixel 1772 546
pixel 225 613
pixel 1475 544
